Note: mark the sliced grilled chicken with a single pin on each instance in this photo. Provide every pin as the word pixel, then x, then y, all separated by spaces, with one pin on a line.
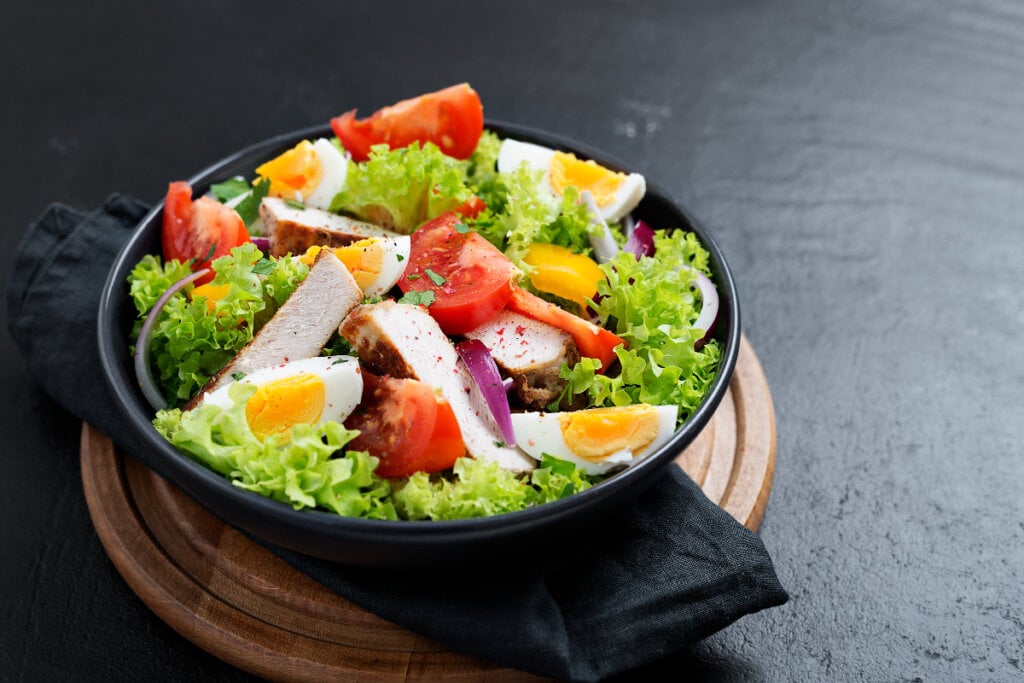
pixel 404 341
pixel 531 353
pixel 301 327
pixel 293 230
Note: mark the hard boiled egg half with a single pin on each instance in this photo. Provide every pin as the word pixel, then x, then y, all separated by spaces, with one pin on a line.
pixel 596 440
pixel 616 194
pixel 376 263
pixel 310 173
pixel 308 391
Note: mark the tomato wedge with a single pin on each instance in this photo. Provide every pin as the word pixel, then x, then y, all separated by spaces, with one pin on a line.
pixel 200 230
pixel 405 424
pixel 592 341
pixel 471 280
pixel 452 119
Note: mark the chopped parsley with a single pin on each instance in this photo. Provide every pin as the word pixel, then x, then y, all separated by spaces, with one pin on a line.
pixel 295 205
pixel 438 280
pixel 264 266
pixel 229 189
pixel 424 298
pixel 249 208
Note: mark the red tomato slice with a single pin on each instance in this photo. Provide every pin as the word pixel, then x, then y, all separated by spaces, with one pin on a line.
pixel 470 278
pixel 471 208
pixel 202 230
pixel 404 424
pixel 452 119
pixel 591 340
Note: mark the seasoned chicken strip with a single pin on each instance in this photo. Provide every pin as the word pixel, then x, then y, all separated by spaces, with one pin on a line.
pixel 292 230
pixel 301 327
pixel 531 353
pixel 404 341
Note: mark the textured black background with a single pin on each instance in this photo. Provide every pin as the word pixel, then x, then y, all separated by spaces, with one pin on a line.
pixel 861 164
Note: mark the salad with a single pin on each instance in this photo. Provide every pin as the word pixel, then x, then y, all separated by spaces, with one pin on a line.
pixel 416 319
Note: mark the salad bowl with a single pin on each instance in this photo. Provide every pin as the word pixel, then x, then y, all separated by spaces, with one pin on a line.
pixel 399 544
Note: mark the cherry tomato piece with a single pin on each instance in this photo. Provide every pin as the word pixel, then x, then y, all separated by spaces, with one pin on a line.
pixel 406 425
pixel 201 230
pixel 452 119
pixel 470 278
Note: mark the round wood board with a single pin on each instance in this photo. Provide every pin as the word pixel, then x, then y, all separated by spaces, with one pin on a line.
pixel 238 601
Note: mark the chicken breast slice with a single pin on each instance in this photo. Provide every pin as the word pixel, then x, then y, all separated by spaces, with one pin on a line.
pixel 293 230
pixel 301 327
pixel 404 341
pixel 531 352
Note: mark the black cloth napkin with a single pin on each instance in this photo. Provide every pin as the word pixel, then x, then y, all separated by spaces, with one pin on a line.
pixel 673 570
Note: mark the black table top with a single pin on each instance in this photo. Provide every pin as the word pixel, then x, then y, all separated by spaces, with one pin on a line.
pixel 861 164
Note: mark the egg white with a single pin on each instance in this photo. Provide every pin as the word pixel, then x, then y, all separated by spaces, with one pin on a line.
pixel 333 169
pixel 342 378
pixel 540 433
pixel 394 259
pixel 512 153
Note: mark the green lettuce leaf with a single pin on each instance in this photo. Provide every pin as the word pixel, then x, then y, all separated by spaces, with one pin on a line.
pixel 402 188
pixel 528 212
pixel 481 489
pixel 191 343
pixel 307 471
pixel 555 479
pixel 652 304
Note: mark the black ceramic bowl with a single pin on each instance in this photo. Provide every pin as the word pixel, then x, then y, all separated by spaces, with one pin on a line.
pixel 382 543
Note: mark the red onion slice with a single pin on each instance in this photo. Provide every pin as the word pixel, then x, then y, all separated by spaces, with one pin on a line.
pixel 484 372
pixel 709 306
pixel 143 373
pixel 641 240
pixel 262 243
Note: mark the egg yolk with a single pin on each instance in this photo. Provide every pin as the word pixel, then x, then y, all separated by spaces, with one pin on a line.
pixel 363 260
pixel 295 174
pixel 568 171
pixel 279 405
pixel 595 434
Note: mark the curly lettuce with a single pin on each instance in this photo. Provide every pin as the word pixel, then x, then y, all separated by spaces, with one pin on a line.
pixel 528 212
pixel 310 468
pixel 305 470
pixel 482 489
pixel 402 188
pixel 652 304
pixel 194 339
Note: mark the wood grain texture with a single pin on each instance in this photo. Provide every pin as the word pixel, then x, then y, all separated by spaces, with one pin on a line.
pixel 241 603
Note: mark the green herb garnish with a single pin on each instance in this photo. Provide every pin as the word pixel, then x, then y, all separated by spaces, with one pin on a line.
pixel 264 266
pixel 424 298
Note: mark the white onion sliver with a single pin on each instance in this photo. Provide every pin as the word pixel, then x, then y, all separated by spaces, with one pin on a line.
pixel 143 373
pixel 484 372
pixel 604 245
pixel 709 305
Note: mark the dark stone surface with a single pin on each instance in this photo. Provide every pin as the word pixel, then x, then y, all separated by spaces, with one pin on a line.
pixel 862 165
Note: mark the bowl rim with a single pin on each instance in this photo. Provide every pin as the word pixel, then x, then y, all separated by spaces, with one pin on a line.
pixel 195 477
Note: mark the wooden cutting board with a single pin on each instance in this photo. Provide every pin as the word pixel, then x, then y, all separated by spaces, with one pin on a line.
pixel 238 601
